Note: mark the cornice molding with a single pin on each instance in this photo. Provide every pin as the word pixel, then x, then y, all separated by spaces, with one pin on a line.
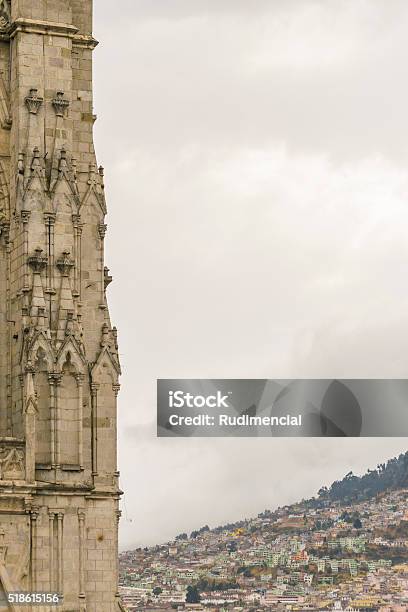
pixel 34 26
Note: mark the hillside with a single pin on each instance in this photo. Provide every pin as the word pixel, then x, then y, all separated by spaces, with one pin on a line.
pixel 331 550
pixel 389 476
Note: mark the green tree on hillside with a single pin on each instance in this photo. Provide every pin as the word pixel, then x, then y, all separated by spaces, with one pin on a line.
pixel 193 596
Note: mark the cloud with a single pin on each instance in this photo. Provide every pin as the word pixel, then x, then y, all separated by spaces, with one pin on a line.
pixel 257 186
pixel 259 264
pixel 185 484
pixel 322 76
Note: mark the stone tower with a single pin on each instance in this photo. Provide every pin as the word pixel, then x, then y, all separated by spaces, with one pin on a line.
pixel 59 363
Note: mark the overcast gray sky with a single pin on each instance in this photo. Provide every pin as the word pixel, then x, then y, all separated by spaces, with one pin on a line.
pixel 256 169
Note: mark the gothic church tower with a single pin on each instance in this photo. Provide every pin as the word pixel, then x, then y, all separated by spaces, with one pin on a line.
pixel 59 363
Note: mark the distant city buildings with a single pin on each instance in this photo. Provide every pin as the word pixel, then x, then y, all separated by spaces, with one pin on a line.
pixel 316 555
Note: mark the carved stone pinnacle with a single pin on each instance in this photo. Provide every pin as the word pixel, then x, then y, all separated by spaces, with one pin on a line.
pixel 60 104
pixel 33 101
pixel 38 261
pixel 65 263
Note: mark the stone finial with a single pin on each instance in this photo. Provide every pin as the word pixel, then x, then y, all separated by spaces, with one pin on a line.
pixel 63 164
pixel 20 163
pixel 107 277
pixel 92 180
pixel 115 337
pixel 102 227
pixel 38 261
pixel 36 164
pixel 105 335
pixel 41 316
pixel 74 168
pixel 33 101
pixel 101 171
pixel 5 229
pixel 25 216
pixel 65 263
pixel 69 329
pixel 60 104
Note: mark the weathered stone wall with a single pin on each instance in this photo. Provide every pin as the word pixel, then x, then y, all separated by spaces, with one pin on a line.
pixel 59 364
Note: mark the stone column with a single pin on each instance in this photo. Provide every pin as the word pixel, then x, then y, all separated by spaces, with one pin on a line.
pixel 118 515
pixel 30 444
pixel 102 233
pixel 50 229
pixel 9 394
pixel 30 412
pixel 52 382
pixel 81 525
pixel 94 418
pixel 76 219
pixel 80 384
pixel 33 519
pixel 51 519
pixel 25 217
pixel 116 389
pixel 60 519
pixel 57 423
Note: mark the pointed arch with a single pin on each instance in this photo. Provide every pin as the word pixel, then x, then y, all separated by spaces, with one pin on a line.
pixel 42 342
pixel 76 358
pixel 108 363
pixel 104 374
pixel 98 197
pixel 63 187
pixel 72 366
pixel 36 185
pixel 41 355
